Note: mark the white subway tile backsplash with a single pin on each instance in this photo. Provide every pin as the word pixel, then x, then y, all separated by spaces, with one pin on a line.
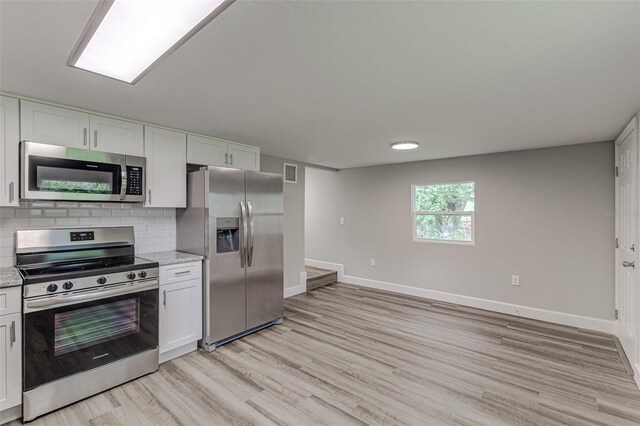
pixel 67 221
pixel 155 229
pixel 55 213
pixel 79 213
pixel 41 223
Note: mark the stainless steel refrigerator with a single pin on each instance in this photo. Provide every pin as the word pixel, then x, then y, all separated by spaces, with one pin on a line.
pixel 234 219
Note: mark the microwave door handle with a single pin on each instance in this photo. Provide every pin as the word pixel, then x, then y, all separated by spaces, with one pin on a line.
pixel 123 182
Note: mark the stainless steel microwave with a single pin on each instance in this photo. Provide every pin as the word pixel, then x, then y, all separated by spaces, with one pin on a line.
pixel 50 172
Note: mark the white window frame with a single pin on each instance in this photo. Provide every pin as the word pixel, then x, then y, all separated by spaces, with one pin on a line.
pixel 415 213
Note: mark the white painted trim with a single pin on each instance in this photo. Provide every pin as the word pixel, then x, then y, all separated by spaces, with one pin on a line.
pixel 338 267
pixel 588 323
pixel 292 291
pixel 9 414
pixel 179 351
pixel 297 289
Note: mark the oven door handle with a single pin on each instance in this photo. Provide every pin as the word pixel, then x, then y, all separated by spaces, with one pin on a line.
pixel 123 181
pixel 103 293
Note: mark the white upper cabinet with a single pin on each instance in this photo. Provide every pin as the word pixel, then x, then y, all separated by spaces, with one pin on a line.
pixel 166 153
pixel 118 136
pixel 75 129
pixel 54 125
pixel 244 157
pixel 206 151
pixel 9 151
pixel 217 152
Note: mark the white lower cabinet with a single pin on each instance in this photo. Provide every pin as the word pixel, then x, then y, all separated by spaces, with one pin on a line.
pixel 10 354
pixel 180 309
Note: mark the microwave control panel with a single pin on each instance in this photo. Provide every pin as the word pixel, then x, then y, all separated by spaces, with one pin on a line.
pixel 134 180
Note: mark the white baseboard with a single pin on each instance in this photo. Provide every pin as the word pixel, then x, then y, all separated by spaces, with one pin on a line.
pixel 588 323
pixel 9 414
pixel 338 267
pixel 175 353
pixel 297 289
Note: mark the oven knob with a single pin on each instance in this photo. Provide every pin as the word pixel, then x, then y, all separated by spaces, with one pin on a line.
pixel 102 280
pixel 52 287
pixel 142 274
pixel 67 285
pixel 131 275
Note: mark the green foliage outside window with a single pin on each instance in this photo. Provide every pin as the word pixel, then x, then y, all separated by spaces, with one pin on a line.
pixel 433 201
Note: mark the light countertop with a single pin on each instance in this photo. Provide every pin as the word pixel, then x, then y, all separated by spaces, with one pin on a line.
pixel 9 277
pixel 170 257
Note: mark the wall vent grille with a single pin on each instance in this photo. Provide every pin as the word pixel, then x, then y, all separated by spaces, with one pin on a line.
pixel 290 173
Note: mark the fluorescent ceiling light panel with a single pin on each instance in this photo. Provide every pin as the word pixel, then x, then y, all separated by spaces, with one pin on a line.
pixel 124 38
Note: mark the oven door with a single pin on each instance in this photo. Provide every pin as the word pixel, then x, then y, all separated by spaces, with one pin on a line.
pixel 52 172
pixel 74 332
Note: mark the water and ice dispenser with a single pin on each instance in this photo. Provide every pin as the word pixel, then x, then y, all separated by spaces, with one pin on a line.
pixel 228 234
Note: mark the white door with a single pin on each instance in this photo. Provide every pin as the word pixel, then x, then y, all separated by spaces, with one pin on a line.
pixel 180 314
pixel 244 157
pixel 166 153
pixel 116 136
pixel 206 151
pixel 10 360
pixel 9 151
pixel 54 125
pixel 627 293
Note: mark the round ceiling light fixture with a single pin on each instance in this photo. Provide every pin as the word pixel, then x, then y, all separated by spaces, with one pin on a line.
pixel 405 145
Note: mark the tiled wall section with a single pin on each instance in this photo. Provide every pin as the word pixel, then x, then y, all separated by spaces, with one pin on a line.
pixel 155 228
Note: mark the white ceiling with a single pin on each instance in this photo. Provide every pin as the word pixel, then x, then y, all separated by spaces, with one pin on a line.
pixel 334 83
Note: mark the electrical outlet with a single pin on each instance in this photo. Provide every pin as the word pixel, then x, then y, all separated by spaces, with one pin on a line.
pixel 147 228
pixel 342 221
pixel 373 261
pixel 515 280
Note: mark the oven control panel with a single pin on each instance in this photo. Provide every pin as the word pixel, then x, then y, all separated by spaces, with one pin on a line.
pixel 82 236
pixel 84 283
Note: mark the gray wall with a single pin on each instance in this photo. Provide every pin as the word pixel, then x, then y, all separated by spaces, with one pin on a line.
pixel 540 214
pixel 293 219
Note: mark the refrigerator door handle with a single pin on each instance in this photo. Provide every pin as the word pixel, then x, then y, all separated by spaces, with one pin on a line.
pixel 251 234
pixel 243 230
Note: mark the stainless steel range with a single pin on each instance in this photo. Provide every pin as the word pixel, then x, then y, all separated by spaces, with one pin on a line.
pixel 90 314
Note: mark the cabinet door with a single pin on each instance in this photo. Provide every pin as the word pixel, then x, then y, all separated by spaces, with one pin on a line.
pixel 10 360
pixel 54 125
pixel 9 151
pixel 116 136
pixel 206 151
pixel 166 153
pixel 180 314
pixel 244 157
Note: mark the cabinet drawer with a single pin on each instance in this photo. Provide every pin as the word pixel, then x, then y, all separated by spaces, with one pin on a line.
pixel 10 300
pixel 180 272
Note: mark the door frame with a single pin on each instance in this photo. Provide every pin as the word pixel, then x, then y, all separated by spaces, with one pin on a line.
pixel 631 126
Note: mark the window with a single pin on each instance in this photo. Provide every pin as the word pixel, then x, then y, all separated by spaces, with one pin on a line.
pixel 443 212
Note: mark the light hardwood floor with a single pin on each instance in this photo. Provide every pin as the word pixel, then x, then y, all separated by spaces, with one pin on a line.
pixel 347 355
pixel 317 277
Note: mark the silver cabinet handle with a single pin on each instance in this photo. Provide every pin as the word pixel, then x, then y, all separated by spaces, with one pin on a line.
pixel 85 131
pixel 182 273
pixel 243 230
pixel 95 138
pixel 226 158
pixel 251 233
pixel 12 331
pixel 626 264
pixel 11 195
pixel 164 297
pixel 149 200
pixel 231 159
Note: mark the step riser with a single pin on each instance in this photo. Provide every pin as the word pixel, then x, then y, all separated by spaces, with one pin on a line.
pixel 320 281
